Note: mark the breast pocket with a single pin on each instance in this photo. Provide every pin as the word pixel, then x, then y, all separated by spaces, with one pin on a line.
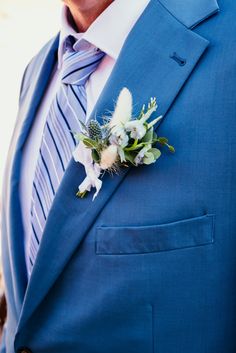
pixel 186 233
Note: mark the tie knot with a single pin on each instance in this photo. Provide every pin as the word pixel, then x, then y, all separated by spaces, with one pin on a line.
pixel 79 65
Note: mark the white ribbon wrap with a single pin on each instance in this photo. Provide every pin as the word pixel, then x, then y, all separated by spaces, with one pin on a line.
pixel 83 155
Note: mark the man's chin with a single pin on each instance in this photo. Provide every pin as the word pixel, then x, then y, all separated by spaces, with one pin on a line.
pixel 86 5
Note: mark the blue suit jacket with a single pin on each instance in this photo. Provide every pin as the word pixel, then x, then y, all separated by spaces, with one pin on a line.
pixel 150 265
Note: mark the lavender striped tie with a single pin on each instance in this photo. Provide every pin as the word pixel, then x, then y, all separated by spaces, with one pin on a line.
pixel 58 142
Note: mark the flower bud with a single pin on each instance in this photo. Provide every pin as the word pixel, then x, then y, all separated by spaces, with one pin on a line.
pixel 109 157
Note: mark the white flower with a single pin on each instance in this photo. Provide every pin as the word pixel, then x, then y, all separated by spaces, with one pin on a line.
pixel 123 109
pixel 152 107
pixel 139 158
pixel 109 157
pixel 92 180
pixel 136 128
pixel 121 154
pixel 83 155
pixel 119 137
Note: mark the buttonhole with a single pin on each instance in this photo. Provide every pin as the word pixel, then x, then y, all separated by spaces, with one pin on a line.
pixel 181 61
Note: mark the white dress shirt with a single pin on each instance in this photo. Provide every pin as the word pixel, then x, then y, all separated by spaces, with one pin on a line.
pixel 108 33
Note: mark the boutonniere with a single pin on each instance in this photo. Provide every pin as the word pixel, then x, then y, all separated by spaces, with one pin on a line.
pixel 121 140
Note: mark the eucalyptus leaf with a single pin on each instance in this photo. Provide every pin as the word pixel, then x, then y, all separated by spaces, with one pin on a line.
pixel 129 156
pixel 149 158
pixel 95 156
pixel 149 136
pixel 156 153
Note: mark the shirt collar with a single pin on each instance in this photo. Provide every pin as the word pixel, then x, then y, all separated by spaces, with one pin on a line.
pixel 119 18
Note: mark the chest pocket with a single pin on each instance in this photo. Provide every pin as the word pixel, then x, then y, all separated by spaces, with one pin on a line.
pixel 186 233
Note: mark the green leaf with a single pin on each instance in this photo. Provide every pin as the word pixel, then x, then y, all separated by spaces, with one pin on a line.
pixel 130 157
pixel 79 137
pixel 134 145
pixel 90 143
pixel 156 153
pixel 162 140
pixel 149 158
pixel 148 137
pixel 95 156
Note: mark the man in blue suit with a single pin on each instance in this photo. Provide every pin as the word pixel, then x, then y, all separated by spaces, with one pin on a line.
pixel 150 265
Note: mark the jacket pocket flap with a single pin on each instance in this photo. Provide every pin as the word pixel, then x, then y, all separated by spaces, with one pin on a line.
pixel 134 240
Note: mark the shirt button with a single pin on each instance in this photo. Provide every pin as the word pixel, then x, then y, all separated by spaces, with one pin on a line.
pixel 24 350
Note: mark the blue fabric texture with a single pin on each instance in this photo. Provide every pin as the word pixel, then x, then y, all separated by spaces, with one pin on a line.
pixel 150 265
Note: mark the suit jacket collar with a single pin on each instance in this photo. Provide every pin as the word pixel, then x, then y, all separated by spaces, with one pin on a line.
pixel 159 75
pixel 190 13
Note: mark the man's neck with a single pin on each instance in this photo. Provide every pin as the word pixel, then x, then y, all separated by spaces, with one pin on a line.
pixel 84 17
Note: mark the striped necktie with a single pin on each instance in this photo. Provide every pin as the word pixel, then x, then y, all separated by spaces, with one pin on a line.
pixel 58 142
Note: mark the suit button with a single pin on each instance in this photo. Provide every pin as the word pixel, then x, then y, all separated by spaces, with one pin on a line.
pixel 24 350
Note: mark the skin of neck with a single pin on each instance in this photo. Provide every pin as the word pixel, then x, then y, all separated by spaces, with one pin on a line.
pixel 85 12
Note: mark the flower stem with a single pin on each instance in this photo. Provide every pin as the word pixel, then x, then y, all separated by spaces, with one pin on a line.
pixel 81 194
pixel 133 147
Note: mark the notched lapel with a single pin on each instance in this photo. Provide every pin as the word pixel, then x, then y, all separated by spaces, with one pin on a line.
pixel 191 12
pixel 144 66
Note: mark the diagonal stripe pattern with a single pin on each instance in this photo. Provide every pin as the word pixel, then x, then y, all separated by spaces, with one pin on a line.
pixel 58 142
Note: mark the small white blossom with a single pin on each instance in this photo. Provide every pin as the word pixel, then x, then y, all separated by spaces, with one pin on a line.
pixel 119 137
pixel 136 128
pixel 152 107
pixel 139 158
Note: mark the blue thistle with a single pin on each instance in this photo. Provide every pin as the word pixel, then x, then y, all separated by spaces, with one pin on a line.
pixel 94 130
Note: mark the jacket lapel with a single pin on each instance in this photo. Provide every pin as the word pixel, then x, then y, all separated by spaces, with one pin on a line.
pixel 26 115
pixel 148 69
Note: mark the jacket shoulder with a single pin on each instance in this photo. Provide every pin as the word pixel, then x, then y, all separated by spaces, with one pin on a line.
pixel 36 62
